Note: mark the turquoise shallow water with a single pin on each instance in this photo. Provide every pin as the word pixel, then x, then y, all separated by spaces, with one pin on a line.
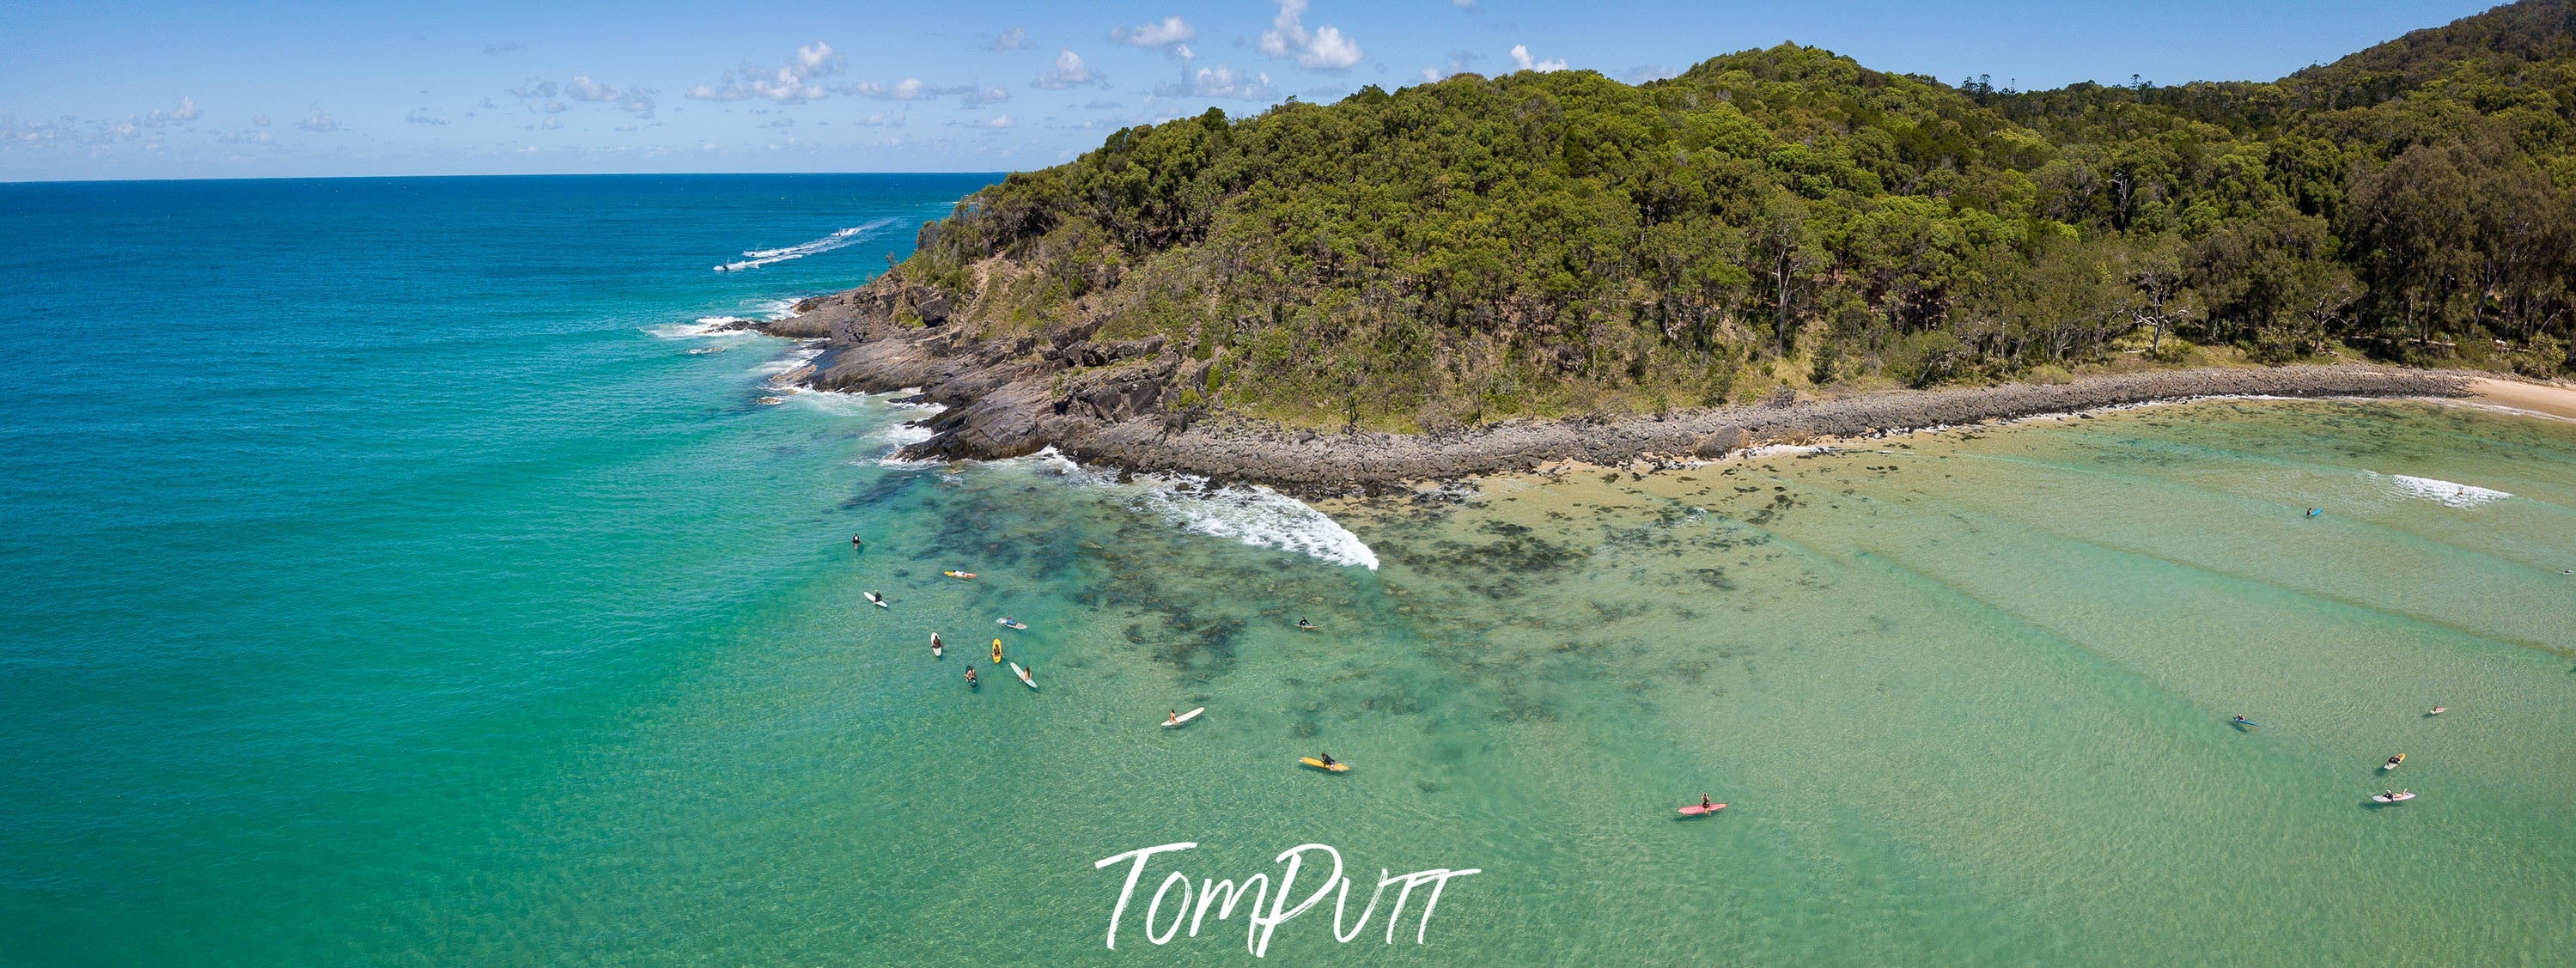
pixel 394 588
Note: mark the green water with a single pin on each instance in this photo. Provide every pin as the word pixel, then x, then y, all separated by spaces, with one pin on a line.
pixel 1968 695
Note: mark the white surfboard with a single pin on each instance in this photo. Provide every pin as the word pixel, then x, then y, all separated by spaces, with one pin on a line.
pixel 1184 718
pixel 1024 676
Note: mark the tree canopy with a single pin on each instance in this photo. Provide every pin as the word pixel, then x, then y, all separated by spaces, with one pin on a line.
pixel 1554 242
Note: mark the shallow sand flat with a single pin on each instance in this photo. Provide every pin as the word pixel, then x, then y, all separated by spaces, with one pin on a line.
pixel 2557 400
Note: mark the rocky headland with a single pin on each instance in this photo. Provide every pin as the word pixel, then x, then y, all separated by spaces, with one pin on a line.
pixel 1120 403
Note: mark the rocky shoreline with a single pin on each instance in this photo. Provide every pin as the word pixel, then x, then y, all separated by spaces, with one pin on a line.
pixel 1111 402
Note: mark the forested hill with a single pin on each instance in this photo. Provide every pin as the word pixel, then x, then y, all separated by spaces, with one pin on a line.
pixel 1561 242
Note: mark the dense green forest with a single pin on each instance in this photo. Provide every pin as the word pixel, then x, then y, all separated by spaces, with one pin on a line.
pixel 1562 242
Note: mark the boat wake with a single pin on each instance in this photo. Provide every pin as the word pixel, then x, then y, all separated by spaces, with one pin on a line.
pixel 755 258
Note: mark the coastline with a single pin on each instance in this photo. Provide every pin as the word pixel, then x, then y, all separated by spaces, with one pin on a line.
pixel 1104 402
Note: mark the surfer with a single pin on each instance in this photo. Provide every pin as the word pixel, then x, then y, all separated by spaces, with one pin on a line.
pixel 2313 512
pixel 856 544
pixel 970 675
pixel 1703 802
pixel 2240 720
pixel 1174 719
pixel 1303 624
pixel 1327 758
pixel 2437 710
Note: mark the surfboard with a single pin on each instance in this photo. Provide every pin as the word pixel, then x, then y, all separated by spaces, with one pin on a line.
pixel 1008 624
pixel 1184 718
pixel 2392 762
pixel 937 650
pixel 1024 676
pixel 1319 764
pixel 876 600
pixel 2400 798
pixel 1695 810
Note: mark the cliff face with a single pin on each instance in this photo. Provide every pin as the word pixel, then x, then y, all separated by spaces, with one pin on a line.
pixel 1132 403
pixel 1009 393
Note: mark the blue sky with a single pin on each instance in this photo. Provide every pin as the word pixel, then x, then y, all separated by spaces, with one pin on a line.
pixel 121 89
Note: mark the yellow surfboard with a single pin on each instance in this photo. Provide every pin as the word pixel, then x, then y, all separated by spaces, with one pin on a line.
pixel 1319 764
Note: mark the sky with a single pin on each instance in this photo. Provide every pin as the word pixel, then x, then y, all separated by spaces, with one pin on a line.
pixel 112 89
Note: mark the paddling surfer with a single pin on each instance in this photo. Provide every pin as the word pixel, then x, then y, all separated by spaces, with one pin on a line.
pixel 1327 758
pixel 1703 802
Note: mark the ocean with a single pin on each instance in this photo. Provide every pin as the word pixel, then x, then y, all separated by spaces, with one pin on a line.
pixel 397 580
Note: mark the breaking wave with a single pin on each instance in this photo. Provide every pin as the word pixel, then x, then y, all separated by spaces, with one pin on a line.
pixel 1254 515
pixel 2446 493
pixel 755 258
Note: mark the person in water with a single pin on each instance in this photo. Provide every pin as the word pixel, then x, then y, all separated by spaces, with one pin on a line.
pixel 856 544
pixel 1303 624
pixel 970 675
pixel 2241 720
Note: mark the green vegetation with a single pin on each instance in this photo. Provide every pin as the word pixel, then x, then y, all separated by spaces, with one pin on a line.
pixel 1562 242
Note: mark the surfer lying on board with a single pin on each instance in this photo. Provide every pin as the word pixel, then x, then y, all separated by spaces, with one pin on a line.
pixel 2240 720
pixel 1303 624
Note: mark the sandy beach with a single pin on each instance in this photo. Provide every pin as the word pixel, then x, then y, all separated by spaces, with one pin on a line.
pixel 2554 399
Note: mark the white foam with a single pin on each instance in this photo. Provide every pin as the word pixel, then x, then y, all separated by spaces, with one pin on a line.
pixel 2446 493
pixel 788 363
pixel 705 326
pixel 755 258
pixel 1253 515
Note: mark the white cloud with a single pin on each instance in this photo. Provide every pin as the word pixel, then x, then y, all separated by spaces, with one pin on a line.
pixel 1458 61
pixel 1325 48
pixel 319 123
pixel 1219 81
pixel 908 89
pixel 1069 72
pixel 510 48
pixel 1642 73
pixel 781 122
pixel 997 121
pixel 878 120
pixel 1521 61
pixel 553 124
pixel 531 90
pixel 1172 30
pixel 259 119
pixel 557 107
pixel 1016 38
pixel 1102 104
pixel 789 83
pixel 422 116
pixel 582 88
pixel 186 111
pixel 977 97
